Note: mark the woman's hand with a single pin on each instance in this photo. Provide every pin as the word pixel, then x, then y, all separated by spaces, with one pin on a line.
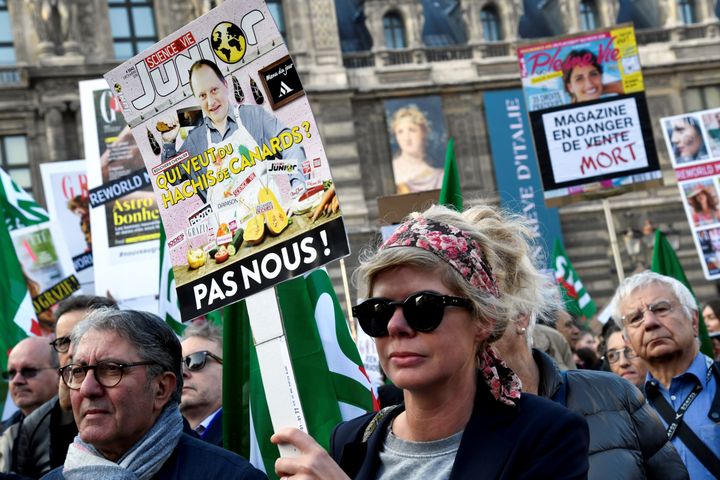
pixel 313 461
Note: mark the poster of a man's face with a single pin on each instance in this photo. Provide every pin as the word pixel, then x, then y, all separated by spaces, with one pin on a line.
pixel 211 92
pixel 686 139
pixel 417 133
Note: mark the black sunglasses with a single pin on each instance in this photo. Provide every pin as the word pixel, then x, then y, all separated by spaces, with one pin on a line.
pixel 196 361
pixel 423 312
pixel 27 372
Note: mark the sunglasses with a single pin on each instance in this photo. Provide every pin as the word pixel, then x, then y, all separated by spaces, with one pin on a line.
pixel 196 361
pixel 423 312
pixel 25 372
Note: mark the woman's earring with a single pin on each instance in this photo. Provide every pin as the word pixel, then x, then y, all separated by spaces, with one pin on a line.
pixel 521 331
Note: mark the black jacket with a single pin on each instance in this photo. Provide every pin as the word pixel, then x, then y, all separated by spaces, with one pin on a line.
pixel 43 439
pixel 537 439
pixel 627 439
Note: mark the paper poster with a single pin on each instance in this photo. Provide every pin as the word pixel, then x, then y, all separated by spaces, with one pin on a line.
pixel 125 224
pixel 234 156
pixel 66 194
pixel 589 116
pixel 417 133
pixel 693 143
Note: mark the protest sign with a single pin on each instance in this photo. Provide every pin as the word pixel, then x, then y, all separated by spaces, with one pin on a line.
pixel 243 186
pixel 124 218
pixel 589 116
pixel 66 194
pixel 693 143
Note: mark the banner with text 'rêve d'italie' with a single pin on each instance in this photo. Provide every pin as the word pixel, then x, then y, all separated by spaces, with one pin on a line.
pixel 693 143
pixel 589 116
pixel 234 156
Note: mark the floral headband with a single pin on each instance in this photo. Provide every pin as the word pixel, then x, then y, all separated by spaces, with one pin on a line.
pixel 451 244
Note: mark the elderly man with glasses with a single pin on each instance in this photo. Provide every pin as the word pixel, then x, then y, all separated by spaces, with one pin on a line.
pixel 201 402
pixel 125 380
pixel 659 317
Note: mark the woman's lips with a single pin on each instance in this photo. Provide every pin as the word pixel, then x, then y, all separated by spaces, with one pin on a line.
pixel 405 359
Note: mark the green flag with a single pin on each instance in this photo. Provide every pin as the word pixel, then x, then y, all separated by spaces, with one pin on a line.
pixel 665 262
pixel 168 308
pixel 451 194
pixel 577 300
pixel 330 376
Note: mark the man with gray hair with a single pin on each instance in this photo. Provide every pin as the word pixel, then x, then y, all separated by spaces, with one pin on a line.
pixel 659 318
pixel 125 382
pixel 201 402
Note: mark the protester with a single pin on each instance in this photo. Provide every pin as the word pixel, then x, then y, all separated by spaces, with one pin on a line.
pixel 587 359
pixel 710 312
pixel 588 340
pixel 550 341
pixel 463 414
pixel 622 359
pixel 627 439
pixel 567 324
pixel 201 402
pixel 46 433
pixel 32 373
pixel 659 318
pixel 125 382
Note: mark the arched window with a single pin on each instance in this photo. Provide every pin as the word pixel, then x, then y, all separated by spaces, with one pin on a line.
pixel 588 15
pixel 490 24
pixel 686 8
pixel 276 10
pixel 394 30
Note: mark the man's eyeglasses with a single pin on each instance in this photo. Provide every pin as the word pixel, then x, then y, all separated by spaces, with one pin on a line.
pixel 27 372
pixel 423 312
pixel 61 344
pixel 107 373
pixel 613 356
pixel 196 361
pixel 660 309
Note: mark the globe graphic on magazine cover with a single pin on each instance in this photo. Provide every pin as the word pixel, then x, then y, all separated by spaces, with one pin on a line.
pixel 228 42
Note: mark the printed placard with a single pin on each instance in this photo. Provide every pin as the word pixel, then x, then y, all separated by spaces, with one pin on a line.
pixel 229 169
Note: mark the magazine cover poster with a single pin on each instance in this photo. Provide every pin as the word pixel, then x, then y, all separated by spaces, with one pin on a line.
pixel 66 194
pixel 125 230
pixel 234 155
pixel 47 268
pixel 417 133
pixel 589 116
pixel 690 139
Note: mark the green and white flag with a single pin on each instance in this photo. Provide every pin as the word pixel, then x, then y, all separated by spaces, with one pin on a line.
pixel 18 210
pixel 330 376
pixel 577 299
pixel 168 308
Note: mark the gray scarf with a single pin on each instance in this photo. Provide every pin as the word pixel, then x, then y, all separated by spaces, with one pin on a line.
pixel 141 462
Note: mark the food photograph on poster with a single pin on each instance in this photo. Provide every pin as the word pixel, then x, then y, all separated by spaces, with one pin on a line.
pixel 417 134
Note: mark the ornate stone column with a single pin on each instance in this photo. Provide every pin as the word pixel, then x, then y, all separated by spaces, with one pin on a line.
pixel 55 133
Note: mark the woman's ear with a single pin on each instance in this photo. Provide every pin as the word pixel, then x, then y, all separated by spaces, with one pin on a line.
pixel 523 320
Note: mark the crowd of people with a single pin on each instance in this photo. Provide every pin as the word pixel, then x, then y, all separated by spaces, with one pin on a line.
pixel 481 356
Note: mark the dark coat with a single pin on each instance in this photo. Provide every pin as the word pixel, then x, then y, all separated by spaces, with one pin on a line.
pixel 627 439
pixel 43 439
pixel 537 439
pixel 193 459
pixel 214 432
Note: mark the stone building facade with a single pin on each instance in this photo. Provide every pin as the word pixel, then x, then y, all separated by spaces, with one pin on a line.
pixel 48 46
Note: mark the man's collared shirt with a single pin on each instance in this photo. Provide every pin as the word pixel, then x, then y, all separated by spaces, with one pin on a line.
pixel 205 424
pixel 696 416
pixel 215 135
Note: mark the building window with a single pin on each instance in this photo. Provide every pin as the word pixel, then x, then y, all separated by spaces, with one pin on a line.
pixel 490 24
pixel 686 8
pixel 588 15
pixel 394 31
pixel 7 51
pixel 701 98
pixel 133 26
pixel 276 10
pixel 14 159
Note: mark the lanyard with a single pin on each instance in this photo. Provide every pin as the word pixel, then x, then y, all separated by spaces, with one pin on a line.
pixel 672 427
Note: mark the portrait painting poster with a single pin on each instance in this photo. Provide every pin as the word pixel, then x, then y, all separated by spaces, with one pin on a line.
pixel 589 116
pixel 66 194
pixel 417 133
pixel 248 202
pixel 125 230
pixel 689 139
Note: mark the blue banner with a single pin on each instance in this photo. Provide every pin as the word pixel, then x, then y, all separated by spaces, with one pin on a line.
pixel 516 169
